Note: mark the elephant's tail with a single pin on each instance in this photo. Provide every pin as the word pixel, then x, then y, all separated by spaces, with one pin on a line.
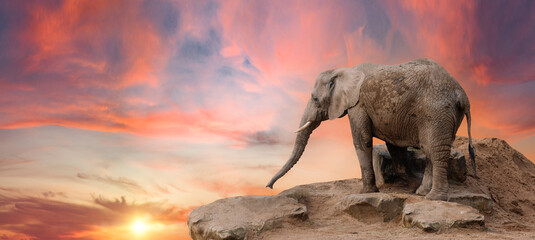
pixel 470 146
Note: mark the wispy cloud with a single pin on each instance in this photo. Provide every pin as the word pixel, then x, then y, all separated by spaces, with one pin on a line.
pixel 13 163
pixel 120 182
pixel 51 194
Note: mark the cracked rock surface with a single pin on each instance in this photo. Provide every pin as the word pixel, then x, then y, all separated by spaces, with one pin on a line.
pixel 373 207
pixel 432 216
pixel 235 218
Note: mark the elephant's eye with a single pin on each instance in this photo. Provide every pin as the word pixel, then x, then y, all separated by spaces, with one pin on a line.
pixel 331 84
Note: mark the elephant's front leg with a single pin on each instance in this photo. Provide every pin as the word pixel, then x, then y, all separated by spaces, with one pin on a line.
pixel 362 140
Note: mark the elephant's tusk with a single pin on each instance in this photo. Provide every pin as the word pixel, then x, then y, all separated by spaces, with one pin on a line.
pixel 303 127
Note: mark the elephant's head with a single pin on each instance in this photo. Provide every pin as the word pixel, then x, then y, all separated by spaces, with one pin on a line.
pixel 334 92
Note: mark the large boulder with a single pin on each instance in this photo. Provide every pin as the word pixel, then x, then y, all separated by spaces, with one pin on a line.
pixel 479 201
pixel 236 217
pixel 432 216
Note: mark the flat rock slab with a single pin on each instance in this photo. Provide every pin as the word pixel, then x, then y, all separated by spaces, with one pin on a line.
pixel 431 216
pixel 373 207
pixel 234 218
pixel 479 201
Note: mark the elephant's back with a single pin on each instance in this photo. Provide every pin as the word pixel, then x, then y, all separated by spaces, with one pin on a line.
pixel 401 96
pixel 417 76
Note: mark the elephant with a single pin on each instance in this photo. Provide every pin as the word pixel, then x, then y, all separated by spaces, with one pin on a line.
pixel 414 104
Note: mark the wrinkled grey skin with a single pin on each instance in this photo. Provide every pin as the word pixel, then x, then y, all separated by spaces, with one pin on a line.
pixel 414 104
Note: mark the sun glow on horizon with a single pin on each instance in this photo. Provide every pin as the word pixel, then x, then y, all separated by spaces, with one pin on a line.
pixel 139 227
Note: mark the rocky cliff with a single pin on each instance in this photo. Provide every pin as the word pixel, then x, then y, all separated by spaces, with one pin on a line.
pixel 500 203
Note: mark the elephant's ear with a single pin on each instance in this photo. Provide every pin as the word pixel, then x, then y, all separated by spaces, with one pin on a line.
pixel 346 92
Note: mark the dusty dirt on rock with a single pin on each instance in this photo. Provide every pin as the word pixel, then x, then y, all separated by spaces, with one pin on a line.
pixel 504 174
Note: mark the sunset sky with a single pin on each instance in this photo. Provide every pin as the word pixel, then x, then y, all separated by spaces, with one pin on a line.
pixel 117 118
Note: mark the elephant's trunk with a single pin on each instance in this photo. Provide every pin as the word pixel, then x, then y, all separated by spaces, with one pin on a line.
pixel 301 141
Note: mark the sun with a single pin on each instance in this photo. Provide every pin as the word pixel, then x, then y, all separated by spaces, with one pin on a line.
pixel 139 226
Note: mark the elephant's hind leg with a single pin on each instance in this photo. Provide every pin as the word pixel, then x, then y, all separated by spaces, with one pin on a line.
pixel 438 155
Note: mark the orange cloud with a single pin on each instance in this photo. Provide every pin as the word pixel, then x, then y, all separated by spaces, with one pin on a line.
pixel 130 53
